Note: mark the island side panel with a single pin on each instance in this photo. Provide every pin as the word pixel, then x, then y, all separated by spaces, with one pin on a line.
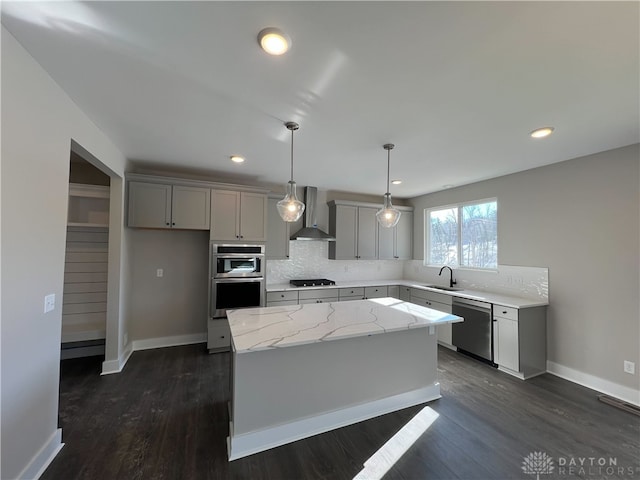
pixel 278 386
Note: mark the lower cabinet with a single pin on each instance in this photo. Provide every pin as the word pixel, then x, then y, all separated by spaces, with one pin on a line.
pixel 318 296
pixel 405 294
pixel 376 292
pixel 437 301
pixel 355 293
pixel 218 335
pixel 281 298
pixel 520 339
pixel 394 291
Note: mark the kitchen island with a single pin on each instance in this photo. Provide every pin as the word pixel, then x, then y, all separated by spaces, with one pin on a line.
pixel 301 370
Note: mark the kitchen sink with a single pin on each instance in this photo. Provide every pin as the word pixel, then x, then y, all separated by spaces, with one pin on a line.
pixel 441 287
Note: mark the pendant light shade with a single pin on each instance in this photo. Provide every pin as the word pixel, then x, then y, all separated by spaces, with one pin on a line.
pixel 290 208
pixel 388 216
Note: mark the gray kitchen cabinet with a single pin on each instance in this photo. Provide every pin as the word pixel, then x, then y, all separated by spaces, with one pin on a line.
pixel 278 232
pixel 238 216
pixel 394 291
pixel 325 295
pixel 355 293
pixel 218 335
pixel 356 231
pixel 440 302
pixel 520 338
pixel 376 292
pixel 405 293
pixel 397 242
pixel 158 205
pixel 282 297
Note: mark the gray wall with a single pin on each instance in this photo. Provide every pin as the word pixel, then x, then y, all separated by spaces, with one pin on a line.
pixel 38 123
pixel 175 304
pixel 579 218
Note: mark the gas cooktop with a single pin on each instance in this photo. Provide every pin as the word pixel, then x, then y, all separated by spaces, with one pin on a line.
pixel 314 282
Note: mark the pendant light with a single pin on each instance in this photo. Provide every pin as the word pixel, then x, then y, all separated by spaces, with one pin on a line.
pixel 290 208
pixel 388 216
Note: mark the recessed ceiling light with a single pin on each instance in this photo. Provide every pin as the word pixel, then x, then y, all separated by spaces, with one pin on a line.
pixel 396 182
pixel 448 185
pixel 274 41
pixel 541 132
pixel 237 159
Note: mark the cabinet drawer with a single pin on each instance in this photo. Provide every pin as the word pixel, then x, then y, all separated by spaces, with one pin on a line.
pixel 375 292
pixel 351 292
pixel 282 295
pixel 311 294
pixel 282 303
pixel 318 300
pixel 505 312
pixel 441 307
pixel 417 293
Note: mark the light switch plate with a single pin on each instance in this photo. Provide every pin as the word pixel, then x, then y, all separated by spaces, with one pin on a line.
pixel 49 302
pixel 159 272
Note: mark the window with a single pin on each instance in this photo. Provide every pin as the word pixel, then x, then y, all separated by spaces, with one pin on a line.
pixel 464 235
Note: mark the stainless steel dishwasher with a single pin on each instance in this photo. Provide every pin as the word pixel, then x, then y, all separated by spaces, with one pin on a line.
pixel 475 334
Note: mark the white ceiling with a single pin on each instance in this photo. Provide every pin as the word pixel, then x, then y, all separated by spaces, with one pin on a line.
pixel 456 86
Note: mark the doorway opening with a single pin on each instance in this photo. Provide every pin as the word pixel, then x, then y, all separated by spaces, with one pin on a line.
pixel 84 311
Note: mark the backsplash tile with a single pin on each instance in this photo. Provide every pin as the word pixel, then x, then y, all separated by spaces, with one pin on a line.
pixel 310 259
pixel 519 281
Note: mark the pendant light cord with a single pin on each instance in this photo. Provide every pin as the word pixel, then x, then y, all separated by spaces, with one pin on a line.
pixel 388 168
pixel 292 155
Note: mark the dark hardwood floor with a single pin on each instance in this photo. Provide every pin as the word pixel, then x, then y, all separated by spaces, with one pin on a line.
pixel 165 417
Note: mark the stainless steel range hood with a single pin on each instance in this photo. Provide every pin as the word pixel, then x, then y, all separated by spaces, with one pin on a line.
pixel 310 230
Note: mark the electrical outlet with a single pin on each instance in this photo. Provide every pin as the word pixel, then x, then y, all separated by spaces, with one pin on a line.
pixel 629 367
pixel 159 272
pixel 49 302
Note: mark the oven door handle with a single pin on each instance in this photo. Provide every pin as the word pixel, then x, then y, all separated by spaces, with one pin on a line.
pixel 237 279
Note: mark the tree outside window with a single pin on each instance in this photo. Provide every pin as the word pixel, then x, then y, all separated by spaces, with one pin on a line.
pixel 464 235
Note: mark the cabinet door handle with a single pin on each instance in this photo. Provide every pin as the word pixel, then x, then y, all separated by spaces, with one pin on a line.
pixel 167 223
pixel 504 312
pixel 173 223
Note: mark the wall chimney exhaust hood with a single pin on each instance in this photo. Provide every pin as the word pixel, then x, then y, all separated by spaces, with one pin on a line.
pixel 310 230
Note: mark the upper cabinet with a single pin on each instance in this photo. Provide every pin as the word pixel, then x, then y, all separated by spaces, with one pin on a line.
pixel 238 216
pixel 278 232
pixel 355 229
pixel 397 242
pixel 157 205
pixel 359 236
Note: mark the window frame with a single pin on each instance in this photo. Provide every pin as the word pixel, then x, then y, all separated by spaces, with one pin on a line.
pixel 459 206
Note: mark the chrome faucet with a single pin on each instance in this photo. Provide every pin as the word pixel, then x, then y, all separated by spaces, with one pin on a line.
pixel 452 282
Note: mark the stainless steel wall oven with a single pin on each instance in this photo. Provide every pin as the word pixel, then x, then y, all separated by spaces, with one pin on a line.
pixel 237 277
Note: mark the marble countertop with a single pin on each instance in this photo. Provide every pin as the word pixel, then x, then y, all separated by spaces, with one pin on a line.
pixel 489 297
pixel 254 329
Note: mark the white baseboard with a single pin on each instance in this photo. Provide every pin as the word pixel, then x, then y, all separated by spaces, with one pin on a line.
pixel 116 366
pixel 595 383
pixel 149 343
pixel 253 442
pixel 41 460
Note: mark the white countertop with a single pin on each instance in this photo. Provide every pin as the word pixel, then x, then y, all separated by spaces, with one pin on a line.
pixel 255 329
pixel 489 297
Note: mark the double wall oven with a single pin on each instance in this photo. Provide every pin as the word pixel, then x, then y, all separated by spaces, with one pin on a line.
pixel 237 277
